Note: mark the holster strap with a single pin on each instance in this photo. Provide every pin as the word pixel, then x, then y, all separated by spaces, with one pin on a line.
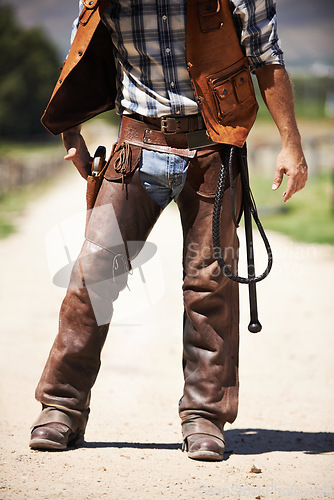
pixel 141 134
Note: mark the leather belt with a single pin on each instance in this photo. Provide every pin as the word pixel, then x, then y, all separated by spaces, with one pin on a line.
pixel 142 134
pixel 173 124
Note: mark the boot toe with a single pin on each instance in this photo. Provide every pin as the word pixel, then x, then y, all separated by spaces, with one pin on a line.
pixel 51 436
pixel 205 447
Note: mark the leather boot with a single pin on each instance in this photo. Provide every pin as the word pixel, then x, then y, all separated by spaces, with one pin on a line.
pixel 211 322
pixel 97 278
pixel 55 429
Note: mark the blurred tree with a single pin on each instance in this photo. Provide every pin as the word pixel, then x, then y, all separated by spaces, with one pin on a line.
pixel 29 68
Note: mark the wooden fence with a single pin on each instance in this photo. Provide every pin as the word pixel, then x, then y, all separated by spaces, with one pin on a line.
pixel 17 172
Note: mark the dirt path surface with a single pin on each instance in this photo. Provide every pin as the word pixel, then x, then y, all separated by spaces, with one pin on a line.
pixel 285 423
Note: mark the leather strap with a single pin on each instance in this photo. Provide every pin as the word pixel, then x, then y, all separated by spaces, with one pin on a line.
pixel 52 414
pixel 198 425
pixel 173 124
pixel 141 134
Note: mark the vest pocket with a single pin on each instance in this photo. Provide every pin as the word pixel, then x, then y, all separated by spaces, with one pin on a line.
pixel 243 86
pixel 209 15
pixel 232 92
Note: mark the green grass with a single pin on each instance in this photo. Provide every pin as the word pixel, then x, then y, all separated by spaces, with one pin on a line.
pixel 308 216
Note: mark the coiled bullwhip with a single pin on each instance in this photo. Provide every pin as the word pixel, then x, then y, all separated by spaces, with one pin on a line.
pixel 249 210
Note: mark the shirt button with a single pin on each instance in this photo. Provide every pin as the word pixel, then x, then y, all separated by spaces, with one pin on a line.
pixel 164 18
pixel 168 50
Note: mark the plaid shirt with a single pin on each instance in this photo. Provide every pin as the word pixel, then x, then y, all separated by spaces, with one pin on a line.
pixel 149 37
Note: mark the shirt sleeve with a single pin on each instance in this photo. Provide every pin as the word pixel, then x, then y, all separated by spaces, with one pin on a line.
pixel 256 22
pixel 76 22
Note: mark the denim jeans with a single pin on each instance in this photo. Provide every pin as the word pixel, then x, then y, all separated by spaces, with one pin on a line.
pixel 163 175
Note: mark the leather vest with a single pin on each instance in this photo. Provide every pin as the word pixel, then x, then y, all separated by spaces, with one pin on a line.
pixel 217 67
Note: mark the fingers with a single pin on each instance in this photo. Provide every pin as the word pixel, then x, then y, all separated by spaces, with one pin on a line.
pixel 278 177
pixel 81 162
pixel 291 161
pixel 77 151
pixel 290 190
pixel 70 154
pixel 296 180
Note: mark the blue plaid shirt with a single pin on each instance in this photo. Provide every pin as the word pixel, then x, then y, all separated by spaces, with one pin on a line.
pixel 149 37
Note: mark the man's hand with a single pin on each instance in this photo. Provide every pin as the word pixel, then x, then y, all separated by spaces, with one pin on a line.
pixel 77 151
pixel 290 161
pixel 277 94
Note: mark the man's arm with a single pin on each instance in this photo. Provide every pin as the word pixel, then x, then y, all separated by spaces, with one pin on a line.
pixel 277 94
pixel 77 151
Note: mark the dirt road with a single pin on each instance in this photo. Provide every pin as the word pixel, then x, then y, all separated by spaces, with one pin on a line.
pixel 285 424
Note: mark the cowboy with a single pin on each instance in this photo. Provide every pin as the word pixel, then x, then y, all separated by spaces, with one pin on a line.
pixel 178 74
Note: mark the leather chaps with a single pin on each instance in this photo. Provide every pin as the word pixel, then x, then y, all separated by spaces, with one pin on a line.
pixel 125 213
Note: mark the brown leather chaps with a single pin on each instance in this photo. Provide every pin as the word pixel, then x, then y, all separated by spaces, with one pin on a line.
pixel 211 304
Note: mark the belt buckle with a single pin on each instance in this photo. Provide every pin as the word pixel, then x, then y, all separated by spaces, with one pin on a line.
pixel 165 124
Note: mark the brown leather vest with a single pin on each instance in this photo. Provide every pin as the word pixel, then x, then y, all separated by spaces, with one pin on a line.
pixel 219 71
pixel 217 68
